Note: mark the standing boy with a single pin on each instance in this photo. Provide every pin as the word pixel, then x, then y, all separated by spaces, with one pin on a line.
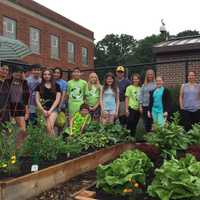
pixel 76 91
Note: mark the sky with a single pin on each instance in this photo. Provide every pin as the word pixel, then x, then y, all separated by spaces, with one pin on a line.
pixel 139 18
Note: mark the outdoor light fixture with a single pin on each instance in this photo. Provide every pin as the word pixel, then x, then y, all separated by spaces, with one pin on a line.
pixel 163 29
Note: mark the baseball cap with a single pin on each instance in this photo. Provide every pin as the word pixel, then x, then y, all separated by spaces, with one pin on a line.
pixel 120 69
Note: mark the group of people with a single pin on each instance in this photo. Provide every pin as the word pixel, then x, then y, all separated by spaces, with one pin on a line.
pixel 22 95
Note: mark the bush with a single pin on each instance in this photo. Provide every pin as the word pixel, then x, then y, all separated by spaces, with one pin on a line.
pixel 177 179
pixel 124 175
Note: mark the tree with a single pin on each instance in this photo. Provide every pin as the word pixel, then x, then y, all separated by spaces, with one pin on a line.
pixel 114 49
pixel 188 33
pixel 144 53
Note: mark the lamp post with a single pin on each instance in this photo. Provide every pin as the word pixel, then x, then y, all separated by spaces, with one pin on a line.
pixel 163 30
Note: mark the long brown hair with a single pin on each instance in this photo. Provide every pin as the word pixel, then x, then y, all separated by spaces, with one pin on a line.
pixel 42 85
pixel 113 86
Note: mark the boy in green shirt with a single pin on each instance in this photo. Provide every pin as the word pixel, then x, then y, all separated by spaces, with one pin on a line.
pixel 76 91
pixel 79 121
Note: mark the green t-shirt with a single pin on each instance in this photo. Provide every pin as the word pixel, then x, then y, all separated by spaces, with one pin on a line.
pixel 76 91
pixel 93 96
pixel 79 121
pixel 133 92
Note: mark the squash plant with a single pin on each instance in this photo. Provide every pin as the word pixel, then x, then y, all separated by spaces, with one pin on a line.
pixel 8 150
pixel 169 138
pixel 177 179
pixel 124 175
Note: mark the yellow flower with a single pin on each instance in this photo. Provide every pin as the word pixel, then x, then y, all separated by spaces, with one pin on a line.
pixel 136 185
pixel 13 157
pixel 13 161
pixel 4 165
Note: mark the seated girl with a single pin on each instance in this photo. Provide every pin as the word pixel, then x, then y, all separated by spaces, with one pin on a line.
pixel 79 121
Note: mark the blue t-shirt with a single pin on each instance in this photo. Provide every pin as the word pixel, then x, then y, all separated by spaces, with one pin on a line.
pixel 63 85
pixel 109 101
pixel 157 100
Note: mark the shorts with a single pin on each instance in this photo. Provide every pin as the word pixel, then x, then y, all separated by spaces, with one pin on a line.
pixel 108 117
pixel 17 110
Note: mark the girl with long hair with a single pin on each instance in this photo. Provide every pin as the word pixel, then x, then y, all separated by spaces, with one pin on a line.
pixel 132 104
pixel 93 95
pixel 19 97
pixel 109 100
pixel 148 86
pixel 48 96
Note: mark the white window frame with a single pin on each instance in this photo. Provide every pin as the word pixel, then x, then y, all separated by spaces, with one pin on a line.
pixel 34 41
pixel 84 54
pixel 71 54
pixel 6 32
pixel 54 46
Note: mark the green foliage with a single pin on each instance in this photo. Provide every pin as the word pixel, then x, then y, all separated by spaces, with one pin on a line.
pixel 8 149
pixel 114 49
pixel 194 134
pixel 188 33
pixel 123 173
pixel 177 179
pixel 169 138
pixel 174 93
pixel 39 146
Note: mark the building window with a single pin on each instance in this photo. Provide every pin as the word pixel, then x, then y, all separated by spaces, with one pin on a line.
pixel 54 47
pixel 9 28
pixel 35 40
pixel 71 52
pixel 84 56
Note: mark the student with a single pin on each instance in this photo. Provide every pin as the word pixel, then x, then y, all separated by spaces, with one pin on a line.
pixel 4 94
pixel 48 97
pixel 123 83
pixel 132 104
pixel 19 97
pixel 93 96
pixel 148 86
pixel 109 100
pixel 189 100
pixel 159 105
pixel 79 121
pixel 76 91
pixel 58 74
pixel 33 81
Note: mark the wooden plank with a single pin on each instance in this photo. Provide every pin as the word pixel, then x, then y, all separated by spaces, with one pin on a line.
pixel 33 184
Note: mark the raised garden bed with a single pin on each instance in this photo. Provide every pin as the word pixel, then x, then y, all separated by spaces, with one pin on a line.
pixel 33 184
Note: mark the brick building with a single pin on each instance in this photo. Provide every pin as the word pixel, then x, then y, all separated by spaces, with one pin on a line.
pixel 179 56
pixel 55 40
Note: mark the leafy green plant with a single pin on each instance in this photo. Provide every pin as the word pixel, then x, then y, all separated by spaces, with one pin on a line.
pixel 177 179
pixel 39 146
pixel 194 134
pixel 124 175
pixel 169 138
pixel 8 150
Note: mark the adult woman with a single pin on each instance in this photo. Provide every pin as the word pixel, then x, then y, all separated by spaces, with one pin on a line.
pixel 109 100
pixel 189 100
pixel 93 96
pixel 58 73
pixel 48 97
pixel 19 97
pixel 148 86
pixel 159 105
pixel 132 103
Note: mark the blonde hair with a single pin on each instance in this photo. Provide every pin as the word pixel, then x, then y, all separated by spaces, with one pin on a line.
pixel 97 85
pixel 146 78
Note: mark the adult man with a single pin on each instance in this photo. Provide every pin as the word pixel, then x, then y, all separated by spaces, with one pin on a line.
pixel 4 94
pixel 122 84
pixel 33 81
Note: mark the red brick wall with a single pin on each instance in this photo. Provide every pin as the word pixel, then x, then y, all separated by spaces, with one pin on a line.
pixel 24 22
pixel 175 73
